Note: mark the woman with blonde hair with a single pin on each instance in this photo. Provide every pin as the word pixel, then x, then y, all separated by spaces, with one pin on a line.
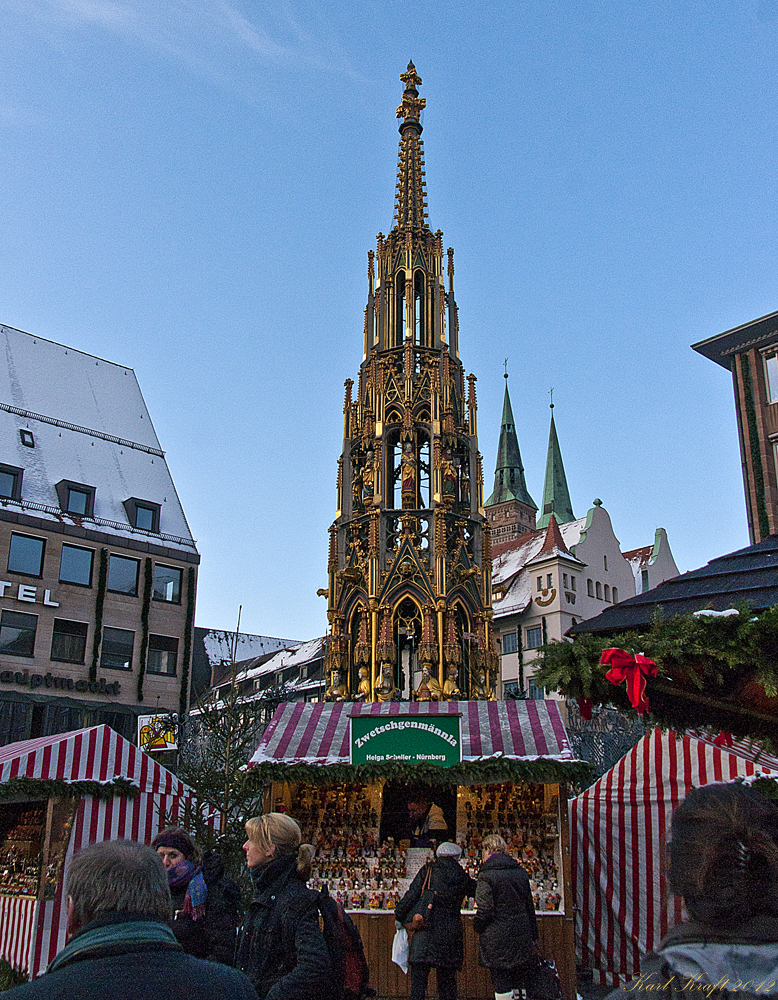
pixel 280 945
pixel 505 918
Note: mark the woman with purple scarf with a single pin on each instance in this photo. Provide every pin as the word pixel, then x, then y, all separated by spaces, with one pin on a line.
pixel 204 902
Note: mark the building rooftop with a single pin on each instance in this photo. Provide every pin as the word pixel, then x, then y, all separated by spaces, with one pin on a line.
pixel 749 574
pixel 88 424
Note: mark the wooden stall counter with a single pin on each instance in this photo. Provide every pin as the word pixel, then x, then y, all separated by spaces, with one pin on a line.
pixel 555 933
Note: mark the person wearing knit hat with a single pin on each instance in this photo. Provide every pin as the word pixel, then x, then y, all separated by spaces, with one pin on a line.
pixel 439 944
pixel 204 901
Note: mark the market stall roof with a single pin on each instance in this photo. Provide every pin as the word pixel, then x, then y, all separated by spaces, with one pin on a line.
pixel 523 738
pixel 745 575
pixel 96 757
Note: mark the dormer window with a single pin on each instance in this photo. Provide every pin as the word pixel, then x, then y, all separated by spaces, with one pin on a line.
pixel 76 498
pixel 10 482
pixel 143 514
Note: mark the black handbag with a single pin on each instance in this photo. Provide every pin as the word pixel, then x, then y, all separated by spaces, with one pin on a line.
pixel 421 913
pixel 542 980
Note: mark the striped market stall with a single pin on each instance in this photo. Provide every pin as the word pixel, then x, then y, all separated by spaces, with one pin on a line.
pixel 346 771
pixel 618 829
pixel 58 794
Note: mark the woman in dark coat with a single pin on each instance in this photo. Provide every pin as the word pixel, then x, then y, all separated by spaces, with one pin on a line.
pixel 205 902
pixel 280 945
pixel 505 918
pixel 724 863
pixel 440 943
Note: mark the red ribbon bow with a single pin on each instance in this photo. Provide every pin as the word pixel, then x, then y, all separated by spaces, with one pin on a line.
pixel 633 669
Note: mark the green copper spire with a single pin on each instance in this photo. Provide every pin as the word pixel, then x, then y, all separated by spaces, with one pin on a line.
pixel 556 496
pixel 509 482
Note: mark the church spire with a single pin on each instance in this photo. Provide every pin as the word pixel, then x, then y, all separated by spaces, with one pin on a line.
pixel 410 205
pixel 509 481
pixel 556 496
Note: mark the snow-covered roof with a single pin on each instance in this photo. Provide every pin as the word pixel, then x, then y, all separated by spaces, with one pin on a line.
pixel 219 644
pixel 512 557
pixel 90 426
pixel 313 649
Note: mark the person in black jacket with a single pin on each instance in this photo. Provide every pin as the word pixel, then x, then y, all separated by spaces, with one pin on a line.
pixel 120 944
pixel 440 942
pixel 724 863
pixel 205 903
pixel 505 918
pixel 280 945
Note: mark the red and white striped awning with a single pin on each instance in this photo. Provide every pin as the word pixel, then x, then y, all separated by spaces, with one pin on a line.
pixel 618 830
pixel 96 754
pixel 318 732
pixel 32 932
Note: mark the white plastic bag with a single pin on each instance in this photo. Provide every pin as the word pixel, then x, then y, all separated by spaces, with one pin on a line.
pixel 400 949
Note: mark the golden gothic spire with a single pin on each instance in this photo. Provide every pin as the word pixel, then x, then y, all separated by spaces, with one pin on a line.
pixel 410 205
pixel 409 591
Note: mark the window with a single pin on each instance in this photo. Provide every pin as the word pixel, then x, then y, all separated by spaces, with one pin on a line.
pixel 534 637
pixel 536 692
pixel 10 482
pixel 76 498
pixel 540 583
pixel 771 371
pixel 615 595
pixel 510 642
pixel 549 581
pixel 142 514
pixel 167 584
pixel 17 633
pixel 607 592
pixel 570 598
pixel 26 555
pixel 26 438
pixel 68 641
pixel 598 587
pixel 564 580
pixel 590 588
pixel 163 651
pixel 123 575
pixel 605 563
pixel 572 583
pixel 644 581
pixel 13 721
pixel 75 565
pixel 116 651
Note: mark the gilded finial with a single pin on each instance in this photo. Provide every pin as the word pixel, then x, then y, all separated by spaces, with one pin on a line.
pixel 412 105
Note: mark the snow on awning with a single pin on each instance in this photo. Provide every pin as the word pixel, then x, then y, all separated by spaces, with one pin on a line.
pixel 318 733
pixel 96 754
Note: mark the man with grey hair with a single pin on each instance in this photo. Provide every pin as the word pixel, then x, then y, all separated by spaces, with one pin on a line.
pixel 120 945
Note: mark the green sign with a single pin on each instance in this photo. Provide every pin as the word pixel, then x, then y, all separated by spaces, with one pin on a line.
pixel 418 739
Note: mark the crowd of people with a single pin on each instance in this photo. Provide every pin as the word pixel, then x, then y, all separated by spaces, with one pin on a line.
pixel 164 921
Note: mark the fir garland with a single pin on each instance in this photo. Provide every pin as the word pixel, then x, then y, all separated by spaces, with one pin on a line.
pixel 55 788
pixel 713 672
pixel 102 579
pixel 753 443
pixel 187 657
pixel 148 578
pixel 486 772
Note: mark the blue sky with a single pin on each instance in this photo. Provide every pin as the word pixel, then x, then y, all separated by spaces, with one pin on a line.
pixel 191 189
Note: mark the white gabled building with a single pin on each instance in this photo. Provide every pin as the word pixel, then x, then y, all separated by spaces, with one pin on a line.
pixel 98 566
